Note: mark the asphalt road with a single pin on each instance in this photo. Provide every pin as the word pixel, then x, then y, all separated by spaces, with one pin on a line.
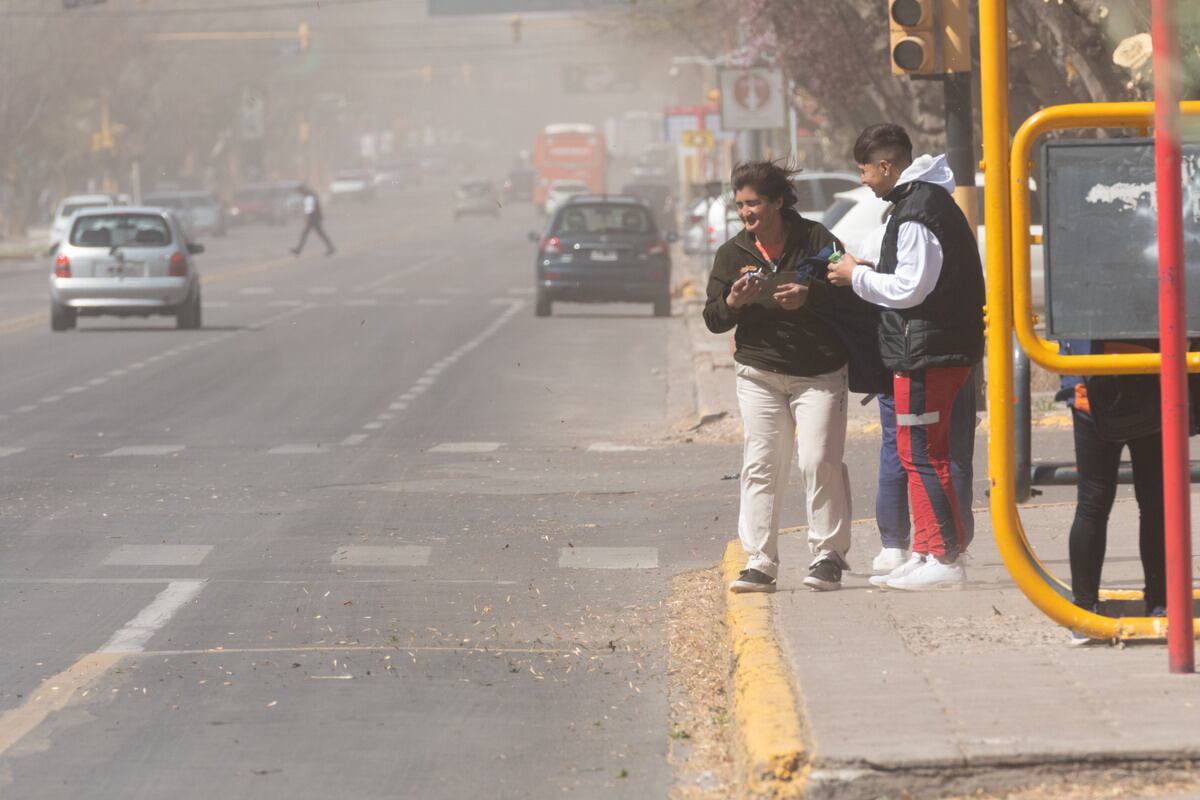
pixel 374 531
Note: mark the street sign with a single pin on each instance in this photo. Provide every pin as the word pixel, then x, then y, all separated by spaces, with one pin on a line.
pixel 442 8
pixel 703 139
pixel 752 99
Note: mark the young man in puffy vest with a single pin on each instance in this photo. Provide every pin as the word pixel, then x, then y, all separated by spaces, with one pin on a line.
pixel 929 281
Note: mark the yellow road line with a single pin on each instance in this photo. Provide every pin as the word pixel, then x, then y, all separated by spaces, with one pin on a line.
pixel 764 706
pixel 20 323
pixel 51 696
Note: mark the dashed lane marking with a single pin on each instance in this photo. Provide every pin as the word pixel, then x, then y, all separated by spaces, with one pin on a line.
pixel 298 449
pixel 362 303
pixel 432 301
pixel 610 447
pixel 323 290
pixel 145 450
pixel 5 452
pixel 608 557
pixel 466 447
pixel 354 439
pixel 372 426
pixel 157 555
pixel 372 556
pixel 24 409
pixel 256 290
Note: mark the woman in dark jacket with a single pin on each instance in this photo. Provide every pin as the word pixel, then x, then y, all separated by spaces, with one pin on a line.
pixel 791 377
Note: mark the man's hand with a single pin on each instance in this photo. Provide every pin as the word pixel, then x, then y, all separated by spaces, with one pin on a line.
pixel 842 270
pixel 744 289
pixel 791 296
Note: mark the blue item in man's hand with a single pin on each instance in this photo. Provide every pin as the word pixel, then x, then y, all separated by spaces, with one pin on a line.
pixel 816 266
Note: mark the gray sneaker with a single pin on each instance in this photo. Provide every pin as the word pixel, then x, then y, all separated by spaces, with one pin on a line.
pixel 824 576
pixel 752 580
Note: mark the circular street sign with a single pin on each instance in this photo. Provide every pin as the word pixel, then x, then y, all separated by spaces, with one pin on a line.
pixel 751 91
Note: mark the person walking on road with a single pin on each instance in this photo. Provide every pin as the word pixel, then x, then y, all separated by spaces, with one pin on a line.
pixel 312 221
pixel 929 281
pixel 791 373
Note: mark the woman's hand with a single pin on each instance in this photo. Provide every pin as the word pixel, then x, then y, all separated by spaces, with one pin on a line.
pixel 842 270
pixel 791 296
pixel 744 289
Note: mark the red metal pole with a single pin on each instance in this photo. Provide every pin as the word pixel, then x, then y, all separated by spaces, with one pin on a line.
pixel 1172 329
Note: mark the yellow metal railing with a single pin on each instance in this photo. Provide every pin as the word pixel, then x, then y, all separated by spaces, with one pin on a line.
pixel 1042 589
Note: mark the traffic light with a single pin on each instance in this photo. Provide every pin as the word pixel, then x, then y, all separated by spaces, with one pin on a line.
pixel 303 34
pixel 914 42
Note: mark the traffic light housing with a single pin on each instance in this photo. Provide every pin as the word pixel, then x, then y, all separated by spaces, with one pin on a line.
pixel 929 36
pixel 914 43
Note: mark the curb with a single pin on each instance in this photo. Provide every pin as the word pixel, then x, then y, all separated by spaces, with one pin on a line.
pixel 774 758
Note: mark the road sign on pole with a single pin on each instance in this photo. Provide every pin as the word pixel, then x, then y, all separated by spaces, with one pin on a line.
pixel 752 99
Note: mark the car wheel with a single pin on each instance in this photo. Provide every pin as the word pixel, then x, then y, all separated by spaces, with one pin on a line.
pixel 662 307
pixel 543 305
pixel 62 318
pixel 188 317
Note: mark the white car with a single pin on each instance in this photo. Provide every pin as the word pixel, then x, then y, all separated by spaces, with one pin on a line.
pixel 77 202
pixel 560 190
pixel 816 191
pixel 856 213
pixel 351 184
pixel 709 224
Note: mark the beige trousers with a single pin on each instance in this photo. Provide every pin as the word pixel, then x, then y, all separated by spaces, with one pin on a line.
pixel 784 417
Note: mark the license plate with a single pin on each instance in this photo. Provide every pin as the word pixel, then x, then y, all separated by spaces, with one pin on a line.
pixel 604 255
pixel 127 268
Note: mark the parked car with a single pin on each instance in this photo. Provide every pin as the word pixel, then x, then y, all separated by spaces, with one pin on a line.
pixel 709 224
pixel 855 214
pixel 133 261
pixel 77 202
pixel 476 196
pixel 599 248
pixel 258 202
pixel 396 177
pixel 816 190
pixel 200 213
pixel 352 184
pixel 559 191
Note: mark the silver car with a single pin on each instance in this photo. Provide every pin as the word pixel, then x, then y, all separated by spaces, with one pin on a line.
pixel 126 261
pixel 476 196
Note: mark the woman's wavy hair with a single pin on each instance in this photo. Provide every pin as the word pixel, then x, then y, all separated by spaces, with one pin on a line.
pixel 771 179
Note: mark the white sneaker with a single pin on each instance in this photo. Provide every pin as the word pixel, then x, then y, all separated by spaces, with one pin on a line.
pixel 933 574
pixel 888 559
pixel 914 561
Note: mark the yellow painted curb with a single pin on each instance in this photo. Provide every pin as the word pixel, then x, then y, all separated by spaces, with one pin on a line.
pixel 764 706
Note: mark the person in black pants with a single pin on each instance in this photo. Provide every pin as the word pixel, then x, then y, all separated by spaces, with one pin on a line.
pixel 1097 461
pixel 312 221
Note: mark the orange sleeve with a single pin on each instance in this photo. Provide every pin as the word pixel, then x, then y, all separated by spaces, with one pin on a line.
pixel 1081 399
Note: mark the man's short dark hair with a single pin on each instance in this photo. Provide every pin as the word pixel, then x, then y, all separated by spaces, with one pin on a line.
pixel 770 179
pixel 884 141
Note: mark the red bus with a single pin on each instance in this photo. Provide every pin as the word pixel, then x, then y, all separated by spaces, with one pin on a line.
pixel 569 151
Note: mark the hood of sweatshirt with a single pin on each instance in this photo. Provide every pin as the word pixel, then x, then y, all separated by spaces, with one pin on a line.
pixel 929 169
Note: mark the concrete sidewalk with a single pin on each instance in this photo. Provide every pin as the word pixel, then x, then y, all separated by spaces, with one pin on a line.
pixel 956 691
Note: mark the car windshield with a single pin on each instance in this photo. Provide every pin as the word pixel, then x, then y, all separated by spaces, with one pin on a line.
pixel 581 219
pixel 75 207
pixel 121 230
pixel 837 209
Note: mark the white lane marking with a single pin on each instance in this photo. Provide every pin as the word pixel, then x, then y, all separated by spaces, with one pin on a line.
pixel 54 398
pixel 297 449
pixel 133 637
pixel 406 397
pixel 466 447
pixel 138 365
pixel 322 290
pixel 24 409
pixel 354 439
pixel 362 302
pixel 432 301
pixel 610 447
pixel 386 416
pixel 116 373
pixel 76 390
pixel 97 381
pixel 425 380
pixel 256 290
pixel 370 556
pixel 418 389
pixel 372 426
pixel 455 290
pixel 391 290
pixel 285 303
pixel 5 452
pixel 608 557
pixel 398 406
pixel 521 291
pixel 157 555
pixel 145 450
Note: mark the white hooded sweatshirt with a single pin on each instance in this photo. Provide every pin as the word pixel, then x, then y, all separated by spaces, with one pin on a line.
pixel 918 252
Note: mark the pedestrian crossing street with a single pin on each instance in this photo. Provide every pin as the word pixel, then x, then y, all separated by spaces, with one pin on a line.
pixel 390 556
